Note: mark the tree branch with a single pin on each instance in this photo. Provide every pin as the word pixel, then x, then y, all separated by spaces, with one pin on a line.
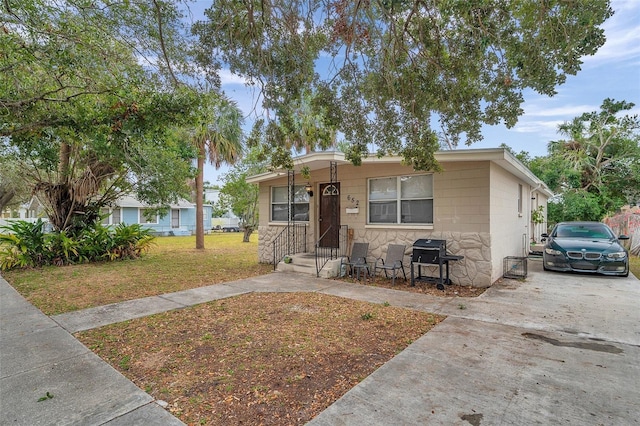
pixel 162 46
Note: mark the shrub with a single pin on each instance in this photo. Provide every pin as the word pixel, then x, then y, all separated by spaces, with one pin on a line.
pixel 26 244
pixel 129 242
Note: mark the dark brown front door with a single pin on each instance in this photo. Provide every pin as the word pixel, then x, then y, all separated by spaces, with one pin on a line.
pixel 329 217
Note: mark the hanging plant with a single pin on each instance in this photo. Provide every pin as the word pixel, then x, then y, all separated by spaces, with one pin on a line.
pixel 537 215
pixel 305 171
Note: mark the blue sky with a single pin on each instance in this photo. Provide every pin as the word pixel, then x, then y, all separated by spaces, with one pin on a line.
pixel 613 72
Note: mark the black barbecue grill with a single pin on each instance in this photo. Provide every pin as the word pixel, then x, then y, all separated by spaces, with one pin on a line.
pixel 429 252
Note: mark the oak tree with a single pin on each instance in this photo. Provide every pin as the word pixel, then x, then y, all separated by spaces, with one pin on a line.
pixel 391 72
pixel 89 95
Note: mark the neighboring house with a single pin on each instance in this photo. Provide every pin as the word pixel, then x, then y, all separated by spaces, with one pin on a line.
pixel 481 204
pixel 28 212
pixel 180 220
pixel 627 222
pixel 227 220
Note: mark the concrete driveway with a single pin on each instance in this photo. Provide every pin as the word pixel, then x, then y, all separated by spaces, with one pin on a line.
pixel 553 349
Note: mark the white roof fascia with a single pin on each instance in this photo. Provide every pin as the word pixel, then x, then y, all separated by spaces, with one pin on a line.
pixel 129 201
pixel 315 161
pixel 499 156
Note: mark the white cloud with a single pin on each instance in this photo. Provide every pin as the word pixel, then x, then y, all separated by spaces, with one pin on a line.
pixel 541 127
pixel 570 111
pixel 228 78
pixel 622 31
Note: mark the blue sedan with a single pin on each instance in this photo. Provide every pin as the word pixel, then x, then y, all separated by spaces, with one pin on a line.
pixel 590 247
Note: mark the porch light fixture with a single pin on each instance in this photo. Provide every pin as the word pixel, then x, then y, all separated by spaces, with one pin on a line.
pixel 309 189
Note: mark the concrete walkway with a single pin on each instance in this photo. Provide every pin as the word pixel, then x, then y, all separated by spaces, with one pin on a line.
pixel 554 349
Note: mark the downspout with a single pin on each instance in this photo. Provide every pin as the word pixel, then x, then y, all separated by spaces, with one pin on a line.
pixel 532 226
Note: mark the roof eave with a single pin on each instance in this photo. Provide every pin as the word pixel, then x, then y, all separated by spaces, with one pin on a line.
pixel 499 156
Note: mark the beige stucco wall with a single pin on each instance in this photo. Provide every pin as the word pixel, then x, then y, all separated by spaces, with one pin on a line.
pixel 475 210
pixel 461 215
pixel 507 224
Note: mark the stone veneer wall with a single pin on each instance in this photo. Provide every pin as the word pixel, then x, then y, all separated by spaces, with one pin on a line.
pixel 474 270
pixel 266 235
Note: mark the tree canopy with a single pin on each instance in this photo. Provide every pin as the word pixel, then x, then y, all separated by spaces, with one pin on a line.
pixel 13 188
pixel 239 196
pixel 217 137
pixel 90 98
pixel 595 169
pixel 392 72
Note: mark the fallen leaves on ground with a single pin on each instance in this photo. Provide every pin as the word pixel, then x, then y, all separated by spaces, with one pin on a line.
pixel 259 358
pixel 421 287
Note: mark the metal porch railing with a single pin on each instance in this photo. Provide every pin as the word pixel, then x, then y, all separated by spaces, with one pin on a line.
pixel 325 254
pixel 291 240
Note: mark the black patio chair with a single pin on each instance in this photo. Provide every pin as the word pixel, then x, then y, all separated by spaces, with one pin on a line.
pixel 357 262
pixel 393 262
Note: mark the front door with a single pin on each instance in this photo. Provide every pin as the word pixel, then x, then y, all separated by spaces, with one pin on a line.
pixel 329 217
pixel 175 218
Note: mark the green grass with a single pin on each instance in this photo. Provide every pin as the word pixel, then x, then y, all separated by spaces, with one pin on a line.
pixel 172 264
pixel 634 265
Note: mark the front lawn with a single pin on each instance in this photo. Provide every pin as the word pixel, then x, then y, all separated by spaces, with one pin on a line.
pixel 172 264
pixel 259 358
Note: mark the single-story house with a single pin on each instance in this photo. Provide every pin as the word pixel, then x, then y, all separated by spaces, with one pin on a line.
pixel 180 220
pixel 482 203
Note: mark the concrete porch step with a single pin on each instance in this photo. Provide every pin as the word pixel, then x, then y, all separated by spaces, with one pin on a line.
pixel 305 263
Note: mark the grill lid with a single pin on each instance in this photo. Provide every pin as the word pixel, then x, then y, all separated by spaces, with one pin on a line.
pixel 428 243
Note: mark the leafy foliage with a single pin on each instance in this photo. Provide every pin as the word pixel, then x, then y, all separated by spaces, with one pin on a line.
pixel 242 197
pixel 26 244
pixel 89 101
pixel 217 137
pixel 392 69
pixel 596 169
pixel 13 188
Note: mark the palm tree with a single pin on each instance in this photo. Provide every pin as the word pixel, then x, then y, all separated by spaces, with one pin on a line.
pixel 218 139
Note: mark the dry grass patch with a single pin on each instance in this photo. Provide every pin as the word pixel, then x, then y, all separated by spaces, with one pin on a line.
pixel 257 358
pixel 420 287
pixel 173 264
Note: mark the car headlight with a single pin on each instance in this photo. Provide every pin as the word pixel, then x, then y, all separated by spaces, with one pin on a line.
pixel 553 252
pixel 617 255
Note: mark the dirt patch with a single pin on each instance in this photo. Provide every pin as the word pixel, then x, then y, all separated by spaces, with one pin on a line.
pixel 422 287
pixel 258 358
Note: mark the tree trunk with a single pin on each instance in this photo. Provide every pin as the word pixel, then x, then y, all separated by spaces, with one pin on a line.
pixel 63 165
pixel 57 194
pixel 200 199
pixel 248 230
pixel 5 198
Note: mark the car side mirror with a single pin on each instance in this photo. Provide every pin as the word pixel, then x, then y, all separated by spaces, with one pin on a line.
pixel 623 237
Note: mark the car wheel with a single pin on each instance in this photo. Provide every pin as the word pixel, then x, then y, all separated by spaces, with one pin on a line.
pixel 544 266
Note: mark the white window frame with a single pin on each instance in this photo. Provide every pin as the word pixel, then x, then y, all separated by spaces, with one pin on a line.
pixel 119 216
pixel 142 217
pixel 398 202
pixel 109 219
pixel 520 198
pixel 297 188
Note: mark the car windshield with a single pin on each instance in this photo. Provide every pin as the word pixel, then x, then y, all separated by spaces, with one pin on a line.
pixel 583 231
